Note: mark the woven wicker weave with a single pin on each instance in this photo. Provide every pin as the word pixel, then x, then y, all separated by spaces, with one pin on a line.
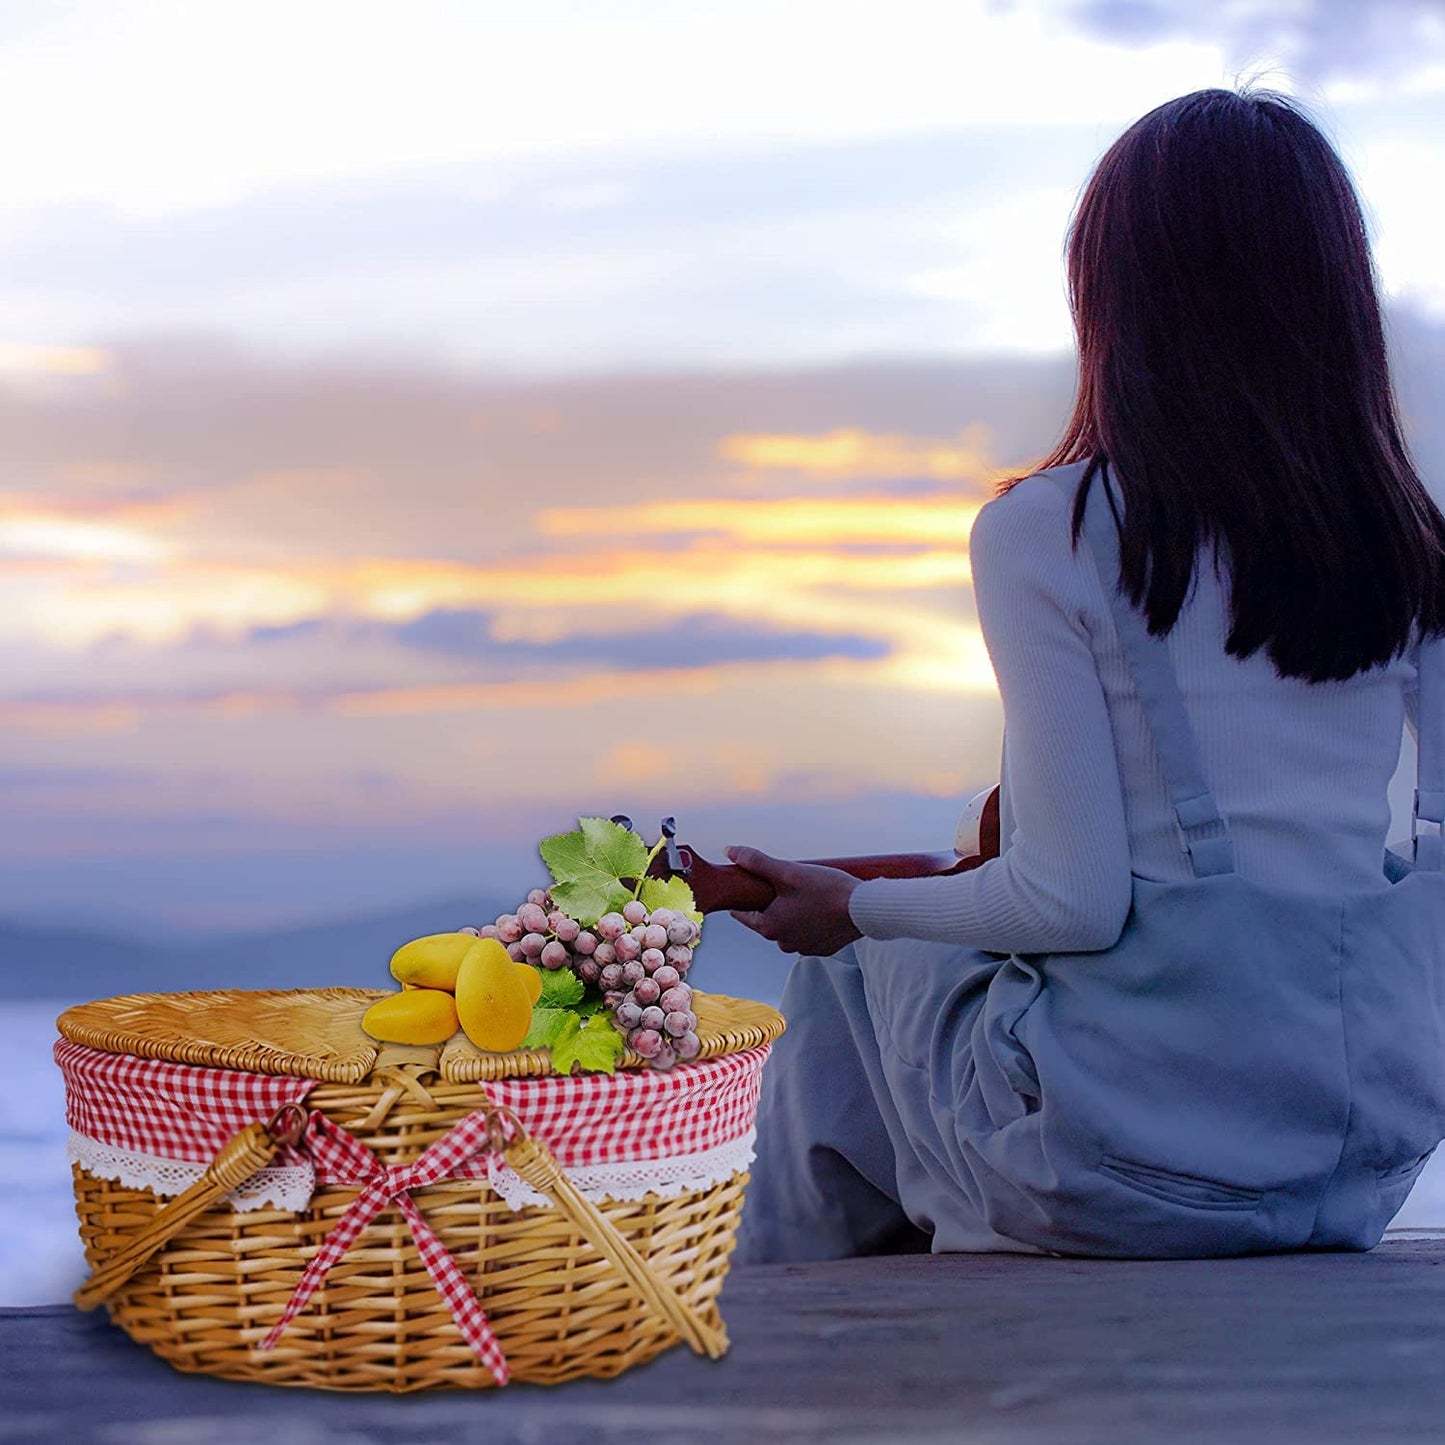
pixel 560 1309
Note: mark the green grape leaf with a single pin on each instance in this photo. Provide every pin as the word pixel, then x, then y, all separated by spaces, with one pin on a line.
pixel 670 893
pixel 588 866
pixel 548 1025
pixel 561 988
pixel 587 901
pixel 587 1007
pixel 595 1046
pixel 616 848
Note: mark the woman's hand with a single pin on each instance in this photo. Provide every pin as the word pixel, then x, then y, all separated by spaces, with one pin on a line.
pixel 809 912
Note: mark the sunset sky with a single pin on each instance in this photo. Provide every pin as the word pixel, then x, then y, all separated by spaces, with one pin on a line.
pixel 426 424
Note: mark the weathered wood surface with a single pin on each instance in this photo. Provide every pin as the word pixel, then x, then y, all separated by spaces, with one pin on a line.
pixel 916 1348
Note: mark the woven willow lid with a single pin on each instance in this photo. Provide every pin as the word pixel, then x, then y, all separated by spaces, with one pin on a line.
pixel 316 1033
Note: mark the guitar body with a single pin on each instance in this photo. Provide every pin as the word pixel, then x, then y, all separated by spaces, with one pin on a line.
pixel 717 886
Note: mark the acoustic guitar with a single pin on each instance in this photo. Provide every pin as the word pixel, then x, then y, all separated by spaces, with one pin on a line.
pixel 717 886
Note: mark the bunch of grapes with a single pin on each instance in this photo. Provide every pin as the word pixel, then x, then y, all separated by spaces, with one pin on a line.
pixel 638 959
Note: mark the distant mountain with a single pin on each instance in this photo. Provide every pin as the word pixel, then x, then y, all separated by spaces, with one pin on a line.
pixel 56 963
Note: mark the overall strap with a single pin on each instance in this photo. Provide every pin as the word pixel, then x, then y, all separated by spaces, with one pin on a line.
pixel 1429 804
pixel 1204 833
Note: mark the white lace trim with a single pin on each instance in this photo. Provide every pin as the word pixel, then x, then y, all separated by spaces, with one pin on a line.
pixel 287 1186
pixel 291 1186
pixel 630 1180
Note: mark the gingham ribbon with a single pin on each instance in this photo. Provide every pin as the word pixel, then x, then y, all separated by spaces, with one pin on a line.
pixel 342 1158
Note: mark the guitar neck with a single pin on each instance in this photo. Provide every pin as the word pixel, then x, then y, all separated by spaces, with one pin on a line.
pixel 716 886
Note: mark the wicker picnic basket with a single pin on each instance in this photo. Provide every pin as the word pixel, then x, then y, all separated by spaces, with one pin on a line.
pixel 582 1283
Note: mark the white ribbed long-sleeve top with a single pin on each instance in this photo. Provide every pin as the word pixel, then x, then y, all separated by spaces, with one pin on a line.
pixel 1300 771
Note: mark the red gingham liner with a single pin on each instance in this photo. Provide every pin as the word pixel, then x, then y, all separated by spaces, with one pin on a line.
pixel 169 1111
pixel 185 1112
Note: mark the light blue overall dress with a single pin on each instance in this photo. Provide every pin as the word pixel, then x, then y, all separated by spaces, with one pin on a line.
pixel 1248 1070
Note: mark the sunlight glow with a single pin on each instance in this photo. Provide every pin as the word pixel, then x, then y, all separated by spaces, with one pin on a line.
pixel 485 83
pixel 53 360
pixel 64 537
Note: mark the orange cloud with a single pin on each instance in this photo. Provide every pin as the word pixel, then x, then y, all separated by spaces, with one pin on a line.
pixel 746 766
pixel 168 601
pixel 810 587
pixel 854 452
pixel 764 522
pixel 636 761
pixel 80 719
pixel 590 689
pixel 87 714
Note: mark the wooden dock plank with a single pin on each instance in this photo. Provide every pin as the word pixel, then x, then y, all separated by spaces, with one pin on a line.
pixel 913 1348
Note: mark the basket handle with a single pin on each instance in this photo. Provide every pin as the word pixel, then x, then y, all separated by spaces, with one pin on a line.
pixel 532 1159
pixel 241 1157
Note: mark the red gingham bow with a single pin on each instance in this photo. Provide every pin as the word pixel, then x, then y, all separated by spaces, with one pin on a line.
pixel 341 1157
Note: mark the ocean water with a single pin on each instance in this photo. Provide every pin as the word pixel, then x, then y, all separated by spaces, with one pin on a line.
pixel 40 1256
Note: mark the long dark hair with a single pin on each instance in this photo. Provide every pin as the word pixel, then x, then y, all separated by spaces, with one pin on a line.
pixel 1233 373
